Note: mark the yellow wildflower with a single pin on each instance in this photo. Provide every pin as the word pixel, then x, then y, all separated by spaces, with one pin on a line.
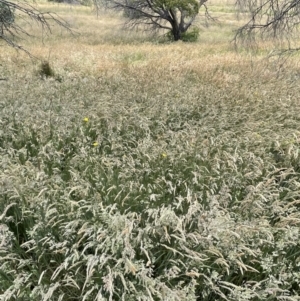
pixel 164 155
pixel 95 143
pixel 86 119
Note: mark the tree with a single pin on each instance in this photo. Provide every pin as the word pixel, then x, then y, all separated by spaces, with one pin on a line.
pixel 176 16
pixel 9 28
pixel 266 18
pixel 277 19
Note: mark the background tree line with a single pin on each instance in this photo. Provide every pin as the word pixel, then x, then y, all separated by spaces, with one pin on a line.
pixel 267 18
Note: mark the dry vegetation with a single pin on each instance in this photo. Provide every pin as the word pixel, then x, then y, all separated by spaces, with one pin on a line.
pixel 143 170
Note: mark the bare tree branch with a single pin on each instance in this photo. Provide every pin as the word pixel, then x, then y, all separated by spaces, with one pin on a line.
pixel 276 19
pixel 9 28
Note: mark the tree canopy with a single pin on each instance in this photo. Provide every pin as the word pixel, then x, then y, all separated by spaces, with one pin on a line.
pixel 176 16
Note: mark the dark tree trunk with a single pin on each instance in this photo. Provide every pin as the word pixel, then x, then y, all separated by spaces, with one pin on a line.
pixel 176 35
pixel 176 32
pixel 175 26
pixel 178 29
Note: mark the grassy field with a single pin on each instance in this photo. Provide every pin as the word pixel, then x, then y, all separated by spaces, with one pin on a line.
pixel 147 170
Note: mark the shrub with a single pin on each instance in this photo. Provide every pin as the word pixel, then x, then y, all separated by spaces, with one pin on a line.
pixel 188 36
pixel 46 70
pixel 191 35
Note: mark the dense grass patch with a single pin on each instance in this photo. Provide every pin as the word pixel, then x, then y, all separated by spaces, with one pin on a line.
pixel 148 172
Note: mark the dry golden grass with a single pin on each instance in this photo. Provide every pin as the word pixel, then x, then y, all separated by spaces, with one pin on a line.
pixel 102 45
pixel 101 49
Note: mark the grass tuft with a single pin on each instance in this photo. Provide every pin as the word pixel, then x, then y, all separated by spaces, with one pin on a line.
pixel 45 70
